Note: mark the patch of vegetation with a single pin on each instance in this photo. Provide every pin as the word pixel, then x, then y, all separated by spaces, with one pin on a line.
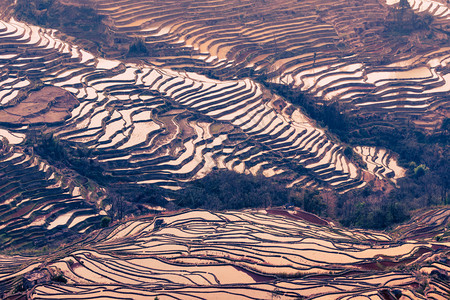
pixel 221 190
pixel 309 200
pixel 420 170
pixel 63 154
pixel 79 21
pixel 19 288
pixel 105 221
pixel 128 199
pixel 355 210
pixel 331 115
pixel 402 20
pixel 51 13
pixel 291 275
pixel 137 48
pixel 59 278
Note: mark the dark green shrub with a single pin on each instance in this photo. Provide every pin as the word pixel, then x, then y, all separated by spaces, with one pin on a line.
pixel 59 278
pixel 105 222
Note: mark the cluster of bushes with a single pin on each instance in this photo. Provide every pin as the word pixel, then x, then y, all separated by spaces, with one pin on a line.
pixel 331 115
pixel 402 19
pixel 51 13
pixel 79 21
pixel 137 48
pixel 371 210
pixel 229 190
pixel 63 154
pixel 223 189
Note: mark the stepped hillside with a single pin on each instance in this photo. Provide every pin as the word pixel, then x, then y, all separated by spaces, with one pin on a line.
pixel 126 125
pixel 135 124
pixel 39 204
pixel 265 254
pixel 338 51
pixel 163 127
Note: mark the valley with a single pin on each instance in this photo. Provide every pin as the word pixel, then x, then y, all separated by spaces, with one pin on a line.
pixel 243 149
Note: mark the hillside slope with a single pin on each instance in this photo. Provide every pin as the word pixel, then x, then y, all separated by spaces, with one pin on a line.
pixel 248 254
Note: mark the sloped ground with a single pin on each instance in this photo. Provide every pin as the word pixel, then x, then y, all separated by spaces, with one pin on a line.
pixel 249 255
pixel 137 124
pixel 336 51
pixel 163 127
pixel 146 124
pixel 38 204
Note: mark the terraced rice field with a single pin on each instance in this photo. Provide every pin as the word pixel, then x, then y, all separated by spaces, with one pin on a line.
pixel 143 125
pixel 299 44
pixel 37 201
pixel 250 254
pixel 164 127
pixel 381 162
pixel 164 122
